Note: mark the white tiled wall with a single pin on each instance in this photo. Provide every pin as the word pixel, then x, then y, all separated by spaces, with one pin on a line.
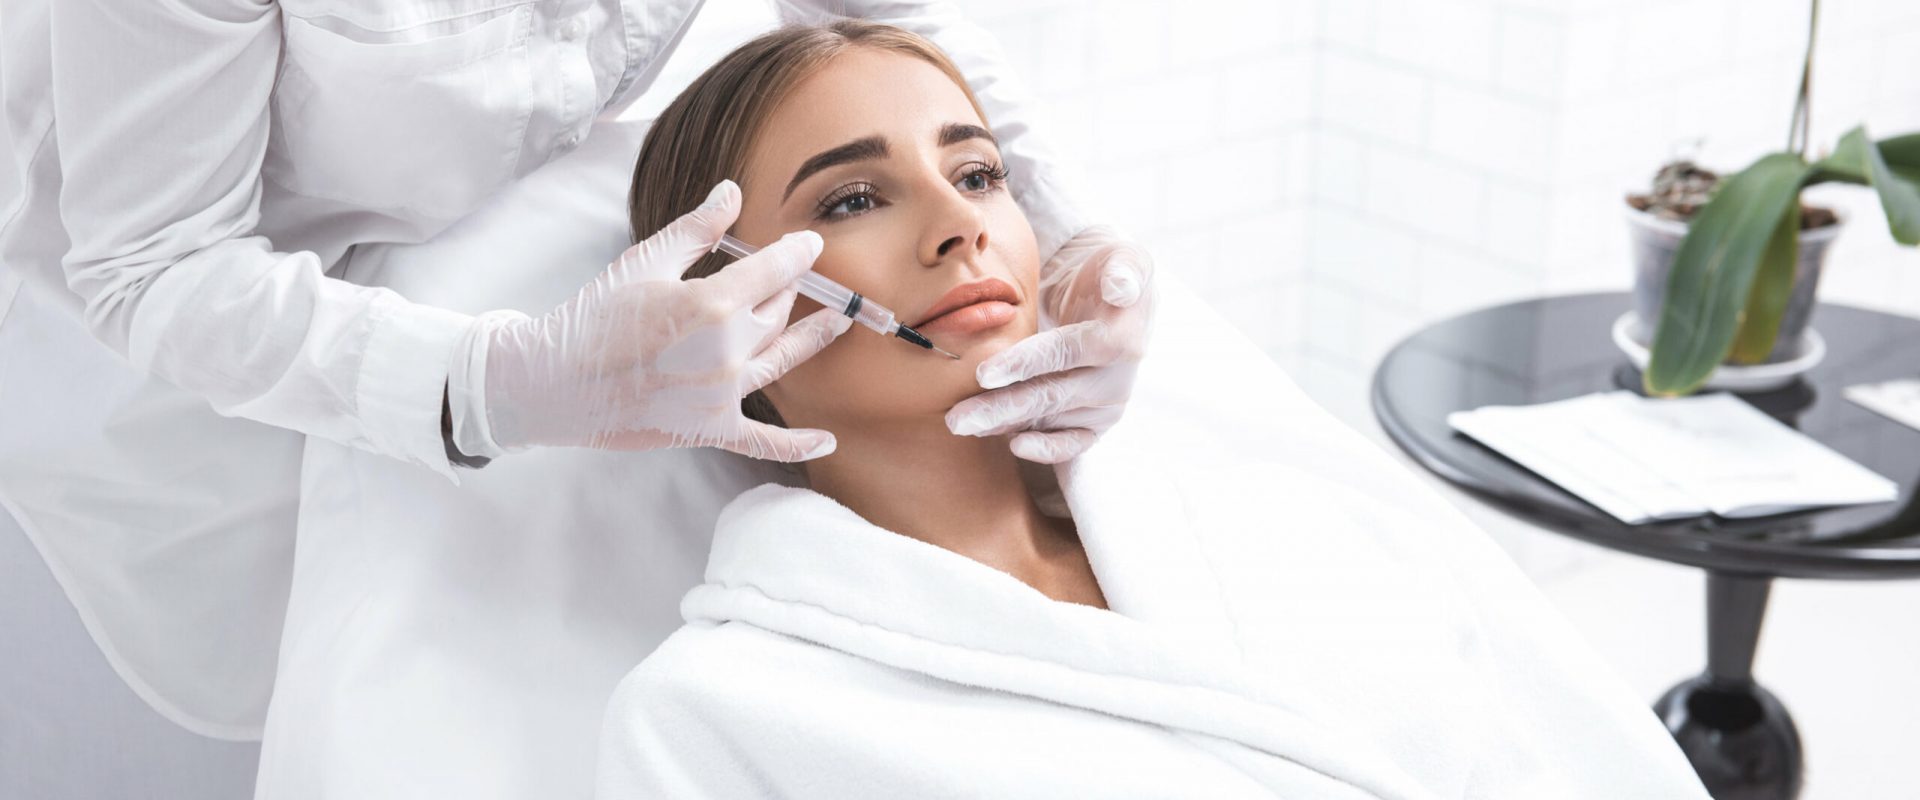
pixel 1333 174
pixel 1191 131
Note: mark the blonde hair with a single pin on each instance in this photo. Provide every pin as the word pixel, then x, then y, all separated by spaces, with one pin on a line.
pixel 705 134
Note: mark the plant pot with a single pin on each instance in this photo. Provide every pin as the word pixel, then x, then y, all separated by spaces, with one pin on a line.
pixel 1656 239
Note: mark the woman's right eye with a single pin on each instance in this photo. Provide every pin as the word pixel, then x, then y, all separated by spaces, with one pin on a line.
pixel 853 205
pixel 848 201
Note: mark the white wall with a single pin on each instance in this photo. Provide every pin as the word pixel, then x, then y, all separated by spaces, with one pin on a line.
pixel 1192 128
pixel 1191 131
pixel 1334 174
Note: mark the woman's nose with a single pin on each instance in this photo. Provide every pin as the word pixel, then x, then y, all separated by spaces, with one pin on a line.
pixel 957 231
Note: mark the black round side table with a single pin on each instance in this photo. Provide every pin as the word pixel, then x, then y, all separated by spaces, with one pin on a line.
pixel 1739 737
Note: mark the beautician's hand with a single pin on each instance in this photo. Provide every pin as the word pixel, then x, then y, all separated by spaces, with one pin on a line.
pixel 1065 386
pixel 641 360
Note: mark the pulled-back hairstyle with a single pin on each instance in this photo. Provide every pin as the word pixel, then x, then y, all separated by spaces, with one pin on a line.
pixel 705 134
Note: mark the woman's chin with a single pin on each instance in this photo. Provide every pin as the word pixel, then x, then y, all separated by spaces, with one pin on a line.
pixel 957 379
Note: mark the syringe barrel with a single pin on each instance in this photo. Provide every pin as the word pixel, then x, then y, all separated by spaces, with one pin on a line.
pixel 826 292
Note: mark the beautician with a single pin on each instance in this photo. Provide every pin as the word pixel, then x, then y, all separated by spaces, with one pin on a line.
pixel 319 224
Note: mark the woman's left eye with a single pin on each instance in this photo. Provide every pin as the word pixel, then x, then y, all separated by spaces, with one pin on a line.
pixel 982 177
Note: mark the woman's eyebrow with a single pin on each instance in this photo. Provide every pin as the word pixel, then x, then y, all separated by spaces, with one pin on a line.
pixel 861 149
pixel 871 147
pixel 954 133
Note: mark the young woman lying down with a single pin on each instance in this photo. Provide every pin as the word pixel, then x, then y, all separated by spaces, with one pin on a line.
pixel 927 619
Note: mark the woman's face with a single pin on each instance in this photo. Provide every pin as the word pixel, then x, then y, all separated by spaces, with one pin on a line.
pixel 882 155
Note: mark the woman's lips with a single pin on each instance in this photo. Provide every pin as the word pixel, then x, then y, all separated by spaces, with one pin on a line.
pixel 970 318
pixel 971 308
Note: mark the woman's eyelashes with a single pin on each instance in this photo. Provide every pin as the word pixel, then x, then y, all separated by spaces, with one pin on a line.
pixel 850 200
pixel 854 199
pixel 980 177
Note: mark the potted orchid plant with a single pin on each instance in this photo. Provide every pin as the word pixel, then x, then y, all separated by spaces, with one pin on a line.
pixel 1747 250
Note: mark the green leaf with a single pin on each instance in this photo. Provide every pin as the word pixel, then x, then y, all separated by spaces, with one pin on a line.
pixel 1900 197
pixel 1902 151
pixel 1903 156
pixel 1772 287
pixel 1891 167
pixel 1848 161
pixel 1713 272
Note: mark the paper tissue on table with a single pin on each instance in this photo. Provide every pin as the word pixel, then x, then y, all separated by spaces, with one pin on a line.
pixel 1896 400
pixel 1641 459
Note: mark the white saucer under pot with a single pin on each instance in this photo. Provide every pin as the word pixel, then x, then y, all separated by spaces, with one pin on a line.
pixel 1735 377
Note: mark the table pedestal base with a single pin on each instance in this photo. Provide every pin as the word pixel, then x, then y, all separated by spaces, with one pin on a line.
pixel 1738 736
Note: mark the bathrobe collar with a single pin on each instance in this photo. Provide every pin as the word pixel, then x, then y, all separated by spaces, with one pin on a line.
pixel 797 544
pixel 797 563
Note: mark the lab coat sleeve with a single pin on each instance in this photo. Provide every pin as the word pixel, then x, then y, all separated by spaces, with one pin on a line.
pixel 1039 182
pixel 161 115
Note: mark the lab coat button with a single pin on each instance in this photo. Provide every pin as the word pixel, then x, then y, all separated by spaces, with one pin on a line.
pixel 571 30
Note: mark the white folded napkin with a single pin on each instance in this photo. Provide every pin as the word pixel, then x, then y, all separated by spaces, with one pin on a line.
pixel 1897 400
pixel 1642 459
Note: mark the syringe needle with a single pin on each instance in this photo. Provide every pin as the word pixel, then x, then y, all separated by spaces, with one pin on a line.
pixel 945 353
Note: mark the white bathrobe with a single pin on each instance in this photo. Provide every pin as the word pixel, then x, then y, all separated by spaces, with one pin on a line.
pixel 1274 632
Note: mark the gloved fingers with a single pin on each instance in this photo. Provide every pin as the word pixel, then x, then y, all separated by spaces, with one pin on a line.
pixel 1123 279
pixel 777 308
pixel 759 440
pixel 770 317
pixel 634 440
pixel 1015 407
pixel 1099 274
pixel 763 274
pixel 1052 447
pixel 1096 417
pixel 796 344
pixel 668 253
pixel 1080 344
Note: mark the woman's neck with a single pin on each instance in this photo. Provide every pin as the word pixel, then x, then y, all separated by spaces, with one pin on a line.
pixel 961 493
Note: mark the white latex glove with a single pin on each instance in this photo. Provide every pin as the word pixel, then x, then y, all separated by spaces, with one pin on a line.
pixel 641 360
pixel 1065 386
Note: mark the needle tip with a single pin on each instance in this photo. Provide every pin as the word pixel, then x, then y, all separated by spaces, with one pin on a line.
pixel 914 336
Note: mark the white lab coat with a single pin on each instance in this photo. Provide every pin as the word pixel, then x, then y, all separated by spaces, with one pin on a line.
pixel 196 175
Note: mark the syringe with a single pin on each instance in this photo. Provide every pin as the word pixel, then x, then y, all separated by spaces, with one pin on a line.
pixel 826 292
